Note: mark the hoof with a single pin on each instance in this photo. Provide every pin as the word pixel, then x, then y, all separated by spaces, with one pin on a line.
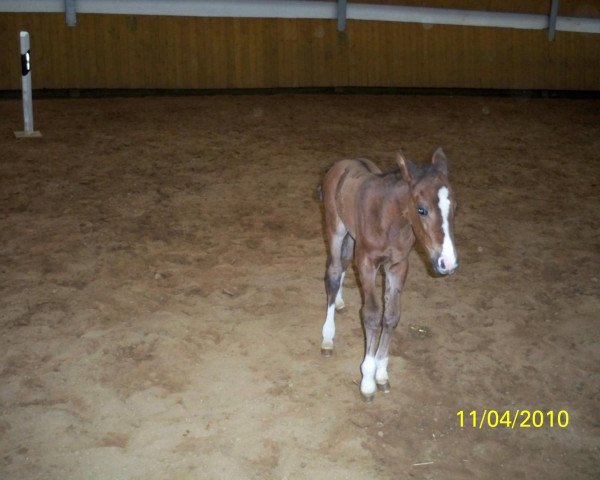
pixel 326 352
pixel 384 387
pixel 367 398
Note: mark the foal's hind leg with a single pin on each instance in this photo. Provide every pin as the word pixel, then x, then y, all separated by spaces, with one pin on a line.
pixel 346 257
pixel 333 282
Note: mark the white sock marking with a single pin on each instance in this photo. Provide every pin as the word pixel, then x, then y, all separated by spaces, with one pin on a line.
pixel 448 251
pixel 368 367
pixel 329 327
pixel 382 376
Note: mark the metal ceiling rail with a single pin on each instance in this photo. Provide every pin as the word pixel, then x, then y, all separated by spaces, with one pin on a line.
pixel 312 9
pixel 552 19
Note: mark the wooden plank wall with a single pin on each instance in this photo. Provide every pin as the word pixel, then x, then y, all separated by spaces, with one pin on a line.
pixel 110 51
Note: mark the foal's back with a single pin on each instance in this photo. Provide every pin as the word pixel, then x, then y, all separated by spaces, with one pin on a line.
pixel 342 184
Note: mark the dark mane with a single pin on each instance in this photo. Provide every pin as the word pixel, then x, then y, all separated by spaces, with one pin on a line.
pixel 417 171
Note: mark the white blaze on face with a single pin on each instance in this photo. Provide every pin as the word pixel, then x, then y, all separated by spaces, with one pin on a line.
pixel 448 251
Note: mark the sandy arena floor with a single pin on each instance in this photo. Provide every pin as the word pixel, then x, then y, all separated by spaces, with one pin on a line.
pixel 162 297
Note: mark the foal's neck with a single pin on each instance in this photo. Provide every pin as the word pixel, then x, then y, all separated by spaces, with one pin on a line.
pixel 393 195
pixel 393 187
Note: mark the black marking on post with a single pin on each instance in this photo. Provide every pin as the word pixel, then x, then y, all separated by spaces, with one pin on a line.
pixel 26 63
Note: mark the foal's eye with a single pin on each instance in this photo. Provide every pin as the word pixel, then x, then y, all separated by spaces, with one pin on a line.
pixel 422 211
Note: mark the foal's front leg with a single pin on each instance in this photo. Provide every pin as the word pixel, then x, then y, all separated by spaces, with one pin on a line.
pixel 394 281
pixel 371 314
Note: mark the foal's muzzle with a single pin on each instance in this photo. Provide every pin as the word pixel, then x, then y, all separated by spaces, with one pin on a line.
pixel 444 266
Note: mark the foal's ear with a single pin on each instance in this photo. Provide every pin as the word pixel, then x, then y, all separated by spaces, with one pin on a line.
pixel 440 161
pixel 405 167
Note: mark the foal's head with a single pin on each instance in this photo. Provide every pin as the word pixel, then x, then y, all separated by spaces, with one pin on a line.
pixel 431 209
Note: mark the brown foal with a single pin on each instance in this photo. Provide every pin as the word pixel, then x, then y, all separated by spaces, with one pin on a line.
pixel 376 217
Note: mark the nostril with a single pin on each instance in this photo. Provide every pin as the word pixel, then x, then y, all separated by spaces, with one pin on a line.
pixel 441 264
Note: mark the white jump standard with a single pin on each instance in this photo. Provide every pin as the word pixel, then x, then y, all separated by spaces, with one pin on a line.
pixel 28 131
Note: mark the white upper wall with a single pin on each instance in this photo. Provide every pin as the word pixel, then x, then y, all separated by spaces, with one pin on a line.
pixel 307 9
